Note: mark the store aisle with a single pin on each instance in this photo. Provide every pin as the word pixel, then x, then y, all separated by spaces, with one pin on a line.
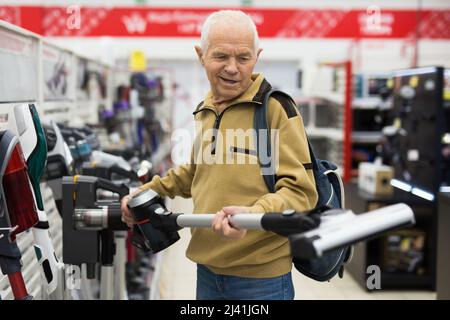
pixel 178 276
pixel 178 273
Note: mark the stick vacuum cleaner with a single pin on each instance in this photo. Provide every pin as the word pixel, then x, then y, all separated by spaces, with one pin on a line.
pixel 311 234
pixel 89 223
pixel 17 210
pixel 32 138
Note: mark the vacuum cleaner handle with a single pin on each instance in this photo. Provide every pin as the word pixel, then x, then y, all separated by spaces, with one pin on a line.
pixel 124 173
pixel 287 223
pixel 122 190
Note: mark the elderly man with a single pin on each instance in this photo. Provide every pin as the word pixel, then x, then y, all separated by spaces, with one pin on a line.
pixel 238 264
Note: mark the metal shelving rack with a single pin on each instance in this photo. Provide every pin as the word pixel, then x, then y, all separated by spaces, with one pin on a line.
pixel 329 110
pixel 22 81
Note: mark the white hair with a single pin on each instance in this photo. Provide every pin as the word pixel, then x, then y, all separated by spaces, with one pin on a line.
pixel 230 16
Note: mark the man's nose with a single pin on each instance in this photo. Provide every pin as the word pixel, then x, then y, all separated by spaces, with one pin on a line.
pixel 231 67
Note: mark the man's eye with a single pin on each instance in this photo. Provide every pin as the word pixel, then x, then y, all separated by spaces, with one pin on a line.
pixel 221 57
pixel 244 59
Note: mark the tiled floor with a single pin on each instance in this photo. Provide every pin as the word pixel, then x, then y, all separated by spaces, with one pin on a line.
pixel 178 276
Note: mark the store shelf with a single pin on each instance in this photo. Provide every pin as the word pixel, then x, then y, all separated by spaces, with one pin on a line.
pixel 371 252
pixel 366 136
pixel 331 133
pixel 338 98
pixel 366 103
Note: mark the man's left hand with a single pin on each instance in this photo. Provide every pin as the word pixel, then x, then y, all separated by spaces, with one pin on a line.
pixel 222 226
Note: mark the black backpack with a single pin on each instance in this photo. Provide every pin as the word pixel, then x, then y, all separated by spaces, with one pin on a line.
pixel 330 195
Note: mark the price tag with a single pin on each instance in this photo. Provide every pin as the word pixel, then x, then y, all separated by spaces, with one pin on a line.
pixel 414 81
pixel 137 61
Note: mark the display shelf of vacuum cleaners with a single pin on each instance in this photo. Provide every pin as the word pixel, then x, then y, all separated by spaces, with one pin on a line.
pixel 406 258
pixel 416 153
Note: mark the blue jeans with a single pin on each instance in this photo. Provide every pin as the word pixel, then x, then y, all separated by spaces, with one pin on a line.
pixel 211 286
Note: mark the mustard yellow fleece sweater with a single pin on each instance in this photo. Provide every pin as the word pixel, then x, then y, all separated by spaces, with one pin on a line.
pixel 224 171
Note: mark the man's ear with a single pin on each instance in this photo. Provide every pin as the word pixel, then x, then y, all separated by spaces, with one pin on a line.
pixel 199 54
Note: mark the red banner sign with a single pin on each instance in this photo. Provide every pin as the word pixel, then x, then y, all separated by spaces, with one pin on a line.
pixel 271 23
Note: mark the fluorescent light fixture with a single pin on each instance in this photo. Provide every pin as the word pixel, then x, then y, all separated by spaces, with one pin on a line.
pixel 401 185
pixel 422 193
pixel 414 190
pixel 444 189
pixel 412 72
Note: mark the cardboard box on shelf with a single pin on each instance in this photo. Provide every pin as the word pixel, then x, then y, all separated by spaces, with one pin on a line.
pixel 375 178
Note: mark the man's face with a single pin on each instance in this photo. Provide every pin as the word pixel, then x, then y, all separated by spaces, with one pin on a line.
pixel 229 61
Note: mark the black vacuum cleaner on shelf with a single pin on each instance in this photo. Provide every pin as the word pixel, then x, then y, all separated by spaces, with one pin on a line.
pixel 89 225
pixel 94 224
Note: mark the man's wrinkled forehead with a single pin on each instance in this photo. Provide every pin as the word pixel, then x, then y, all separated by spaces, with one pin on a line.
pixel 239 36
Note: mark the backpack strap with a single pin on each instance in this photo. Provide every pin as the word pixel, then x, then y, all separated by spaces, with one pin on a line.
pixel 260 122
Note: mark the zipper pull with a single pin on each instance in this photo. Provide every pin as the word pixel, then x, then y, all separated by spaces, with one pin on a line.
pixel 214 136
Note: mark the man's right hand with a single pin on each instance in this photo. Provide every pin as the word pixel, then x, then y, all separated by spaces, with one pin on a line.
pixel 127 217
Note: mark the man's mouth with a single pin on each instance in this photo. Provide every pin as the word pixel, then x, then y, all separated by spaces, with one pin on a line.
pixel 228 81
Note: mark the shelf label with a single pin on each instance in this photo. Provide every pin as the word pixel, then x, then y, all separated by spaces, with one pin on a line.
pixel 137 61
pixel 414 81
